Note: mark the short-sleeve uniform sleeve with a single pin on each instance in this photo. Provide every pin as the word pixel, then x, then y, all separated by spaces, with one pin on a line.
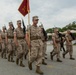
pixel 26 31
pixel 15 31
pixel 53 35
pixel 66 36
pixel 6 33
pixel 0 34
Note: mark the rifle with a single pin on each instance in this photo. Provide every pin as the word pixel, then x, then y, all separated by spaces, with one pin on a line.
pixel 24 27
pixel 13 27
pixel 5 27
pixel 73 37
pixel 44 32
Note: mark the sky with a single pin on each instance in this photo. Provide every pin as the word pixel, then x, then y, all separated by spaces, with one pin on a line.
pixel 52 13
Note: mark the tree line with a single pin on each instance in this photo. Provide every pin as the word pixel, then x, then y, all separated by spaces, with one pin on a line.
pixel 71 26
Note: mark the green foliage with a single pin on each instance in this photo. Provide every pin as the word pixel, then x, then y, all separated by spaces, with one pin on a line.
pixel 71 26
pixel 50 30
pixel 50 37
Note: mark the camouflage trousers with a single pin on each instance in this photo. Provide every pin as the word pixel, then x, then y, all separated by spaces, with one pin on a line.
pixel 44 49
pixel 14 49
pixel 69 49
pixel 56 51
pixel 10 47
pixel 21 49
pixel 0 47
pixel 36 51
pixel 3 47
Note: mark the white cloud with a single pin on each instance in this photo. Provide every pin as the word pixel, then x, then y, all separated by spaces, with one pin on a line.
pixel 50 12
pixel 64 17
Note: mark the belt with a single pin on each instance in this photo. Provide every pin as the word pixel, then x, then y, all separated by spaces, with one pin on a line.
pixel 35 38
pixel 10 37
pixel 57 41
pixel 3 38
pixel 70 40
pixel 19 38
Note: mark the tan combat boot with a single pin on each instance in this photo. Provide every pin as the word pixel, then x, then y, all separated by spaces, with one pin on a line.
pixel 72 57
pixel 52 55
pixel 63 55
pixel 43 62
pixel 12 59
pixel 21 64
pixel 5 56
pixel 17 61
pixel 30 65
pixel 9 58
pixel 38 70
pixel 1 55
pixel 58 60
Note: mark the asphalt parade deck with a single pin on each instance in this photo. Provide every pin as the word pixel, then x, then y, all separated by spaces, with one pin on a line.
pixel 67 67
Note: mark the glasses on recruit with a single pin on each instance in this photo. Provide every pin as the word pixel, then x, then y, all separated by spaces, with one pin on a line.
pixel 36 20
pixel 19 23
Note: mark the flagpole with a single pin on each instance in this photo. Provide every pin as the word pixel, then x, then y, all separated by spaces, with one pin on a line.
pixel 29 26
pixel 29 34
pixel 28 9
pixel 28 18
